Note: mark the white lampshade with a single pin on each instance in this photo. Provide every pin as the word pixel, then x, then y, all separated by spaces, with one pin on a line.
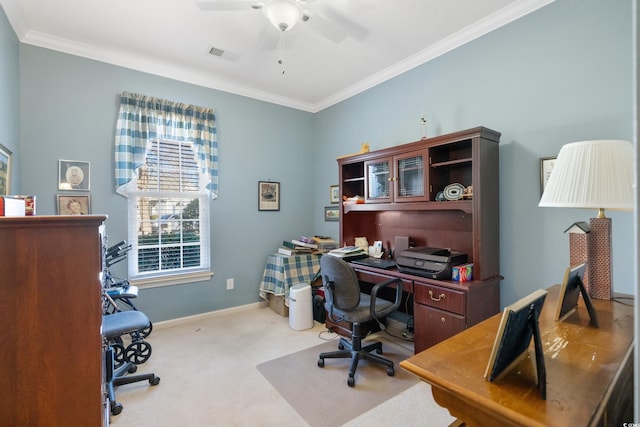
pixel 283 14
pixel 592 174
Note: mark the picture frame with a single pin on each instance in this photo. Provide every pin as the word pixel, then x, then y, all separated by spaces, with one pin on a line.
pixel 546 167
pixel 332 213
pixel 5 170
pixel 71 204
pixel 570 290
pixel 334 194
pixel 74 175
pixel 268 196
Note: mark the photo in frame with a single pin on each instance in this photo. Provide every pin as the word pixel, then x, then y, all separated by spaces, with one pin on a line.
pixel 546 167
pixel 268 196
pixel 334 192
pixel 5 170
pixel 73 204
pixel 73 175
pixel 332 213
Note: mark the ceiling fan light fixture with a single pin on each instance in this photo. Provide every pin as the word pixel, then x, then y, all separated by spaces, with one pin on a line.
pixel 283 14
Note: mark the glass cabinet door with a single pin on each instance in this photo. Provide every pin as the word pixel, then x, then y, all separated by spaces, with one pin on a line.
pixel 378 180
pixel 410 177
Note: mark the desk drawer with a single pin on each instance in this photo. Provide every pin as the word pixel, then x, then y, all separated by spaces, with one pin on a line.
pixel 371 277
pixel 442 298
pixel 433 326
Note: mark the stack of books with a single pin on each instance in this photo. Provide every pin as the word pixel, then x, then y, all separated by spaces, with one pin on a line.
pixel 307 245
pixel 296 247
pixel 325 244
pixel 349 253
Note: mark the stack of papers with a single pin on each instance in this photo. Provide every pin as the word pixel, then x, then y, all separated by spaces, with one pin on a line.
pixel 349 252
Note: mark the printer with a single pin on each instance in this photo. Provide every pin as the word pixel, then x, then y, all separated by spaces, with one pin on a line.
pixel 434 263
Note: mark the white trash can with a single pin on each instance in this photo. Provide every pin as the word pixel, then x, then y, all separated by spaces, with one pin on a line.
pixel 300 307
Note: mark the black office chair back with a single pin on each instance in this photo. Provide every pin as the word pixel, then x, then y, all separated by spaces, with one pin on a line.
pixel 342 289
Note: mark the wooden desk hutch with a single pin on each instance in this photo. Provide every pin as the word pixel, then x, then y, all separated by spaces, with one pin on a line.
pixel 400 186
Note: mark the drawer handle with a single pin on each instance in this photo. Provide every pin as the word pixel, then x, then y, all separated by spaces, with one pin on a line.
pixel 441 296
pixel 443 320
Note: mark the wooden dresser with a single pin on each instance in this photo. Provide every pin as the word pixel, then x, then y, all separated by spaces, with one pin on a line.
pixel 50 319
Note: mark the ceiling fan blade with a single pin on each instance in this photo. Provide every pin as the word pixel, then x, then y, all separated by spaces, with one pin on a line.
pixel 269 37
pixel 325 28
pixel 228 5
pixel 342 23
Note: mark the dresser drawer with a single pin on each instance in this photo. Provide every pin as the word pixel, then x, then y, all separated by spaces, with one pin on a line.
pixel 438 297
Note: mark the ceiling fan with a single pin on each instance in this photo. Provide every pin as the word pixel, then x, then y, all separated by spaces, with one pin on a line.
pixel 285 14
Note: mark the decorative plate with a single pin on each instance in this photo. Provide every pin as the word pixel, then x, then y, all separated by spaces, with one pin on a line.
pixel 454 191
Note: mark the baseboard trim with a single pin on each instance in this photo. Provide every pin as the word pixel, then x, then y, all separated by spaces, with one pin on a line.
pixel 216 313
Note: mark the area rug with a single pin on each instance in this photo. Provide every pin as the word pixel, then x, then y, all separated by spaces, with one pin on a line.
pixel 321 395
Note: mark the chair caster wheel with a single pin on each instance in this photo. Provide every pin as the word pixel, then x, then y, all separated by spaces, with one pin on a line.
pixel 116 409
pixel 321 363
pixel 132 369
pixel 351 381
pixel 154 381
pixel 390 372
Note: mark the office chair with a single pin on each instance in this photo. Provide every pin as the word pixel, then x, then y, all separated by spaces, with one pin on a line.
pixel 113 327
pixel 345 302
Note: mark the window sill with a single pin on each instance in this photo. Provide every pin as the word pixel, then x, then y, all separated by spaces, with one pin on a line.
pixel 177 279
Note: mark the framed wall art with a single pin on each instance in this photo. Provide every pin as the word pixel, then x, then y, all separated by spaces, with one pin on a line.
pixel 74 204
pixel 5 170
pixel 334 192
pixel 332 213
pixel 268 196
pixel 73 175
pixel 546 167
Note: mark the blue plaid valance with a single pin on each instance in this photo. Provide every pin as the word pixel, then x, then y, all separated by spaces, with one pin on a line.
pixel 142 118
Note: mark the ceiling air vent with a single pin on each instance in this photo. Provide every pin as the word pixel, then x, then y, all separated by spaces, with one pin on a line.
pixel 215 51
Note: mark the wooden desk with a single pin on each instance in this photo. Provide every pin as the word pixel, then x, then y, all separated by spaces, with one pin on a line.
pixel 589 371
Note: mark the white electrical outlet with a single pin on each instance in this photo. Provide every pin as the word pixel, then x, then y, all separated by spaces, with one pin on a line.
pixel 229 283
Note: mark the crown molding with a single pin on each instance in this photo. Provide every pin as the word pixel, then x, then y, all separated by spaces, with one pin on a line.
pixel 168 70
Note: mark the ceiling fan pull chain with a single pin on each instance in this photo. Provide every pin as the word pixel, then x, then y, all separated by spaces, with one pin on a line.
pixel 281 49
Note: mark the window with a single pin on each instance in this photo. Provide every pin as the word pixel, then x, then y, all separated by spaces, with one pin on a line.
pixel 169 216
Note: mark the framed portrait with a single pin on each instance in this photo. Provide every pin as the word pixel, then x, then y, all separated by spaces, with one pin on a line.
pixel 334 194
pixel 73 204
pixel 546 167
pixel 332 213
pixel 268 196
pixel 73 175
pixel 5 170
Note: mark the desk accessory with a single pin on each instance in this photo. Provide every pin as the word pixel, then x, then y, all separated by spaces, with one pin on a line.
pixel 519 323
pixel 571 289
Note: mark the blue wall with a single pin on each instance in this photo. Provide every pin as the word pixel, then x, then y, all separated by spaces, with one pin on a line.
pixel 560 74
pixel 9 94
pixel 69 106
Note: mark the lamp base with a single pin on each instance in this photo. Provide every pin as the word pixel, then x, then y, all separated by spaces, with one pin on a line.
pixel 599 257
pixel 579 253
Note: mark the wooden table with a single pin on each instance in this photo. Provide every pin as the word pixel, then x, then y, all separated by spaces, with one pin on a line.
pixel 589 371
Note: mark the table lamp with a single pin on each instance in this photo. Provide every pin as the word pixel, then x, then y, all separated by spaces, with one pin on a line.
pixel 594 175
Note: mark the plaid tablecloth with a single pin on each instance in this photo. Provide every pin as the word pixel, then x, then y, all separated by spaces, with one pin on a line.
pixel 282 272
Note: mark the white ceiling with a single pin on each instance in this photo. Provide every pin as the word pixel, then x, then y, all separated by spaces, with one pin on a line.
pixel 172 38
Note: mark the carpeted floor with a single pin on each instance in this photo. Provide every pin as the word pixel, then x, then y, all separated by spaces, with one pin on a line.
pixel 315 392
pixel 209 377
